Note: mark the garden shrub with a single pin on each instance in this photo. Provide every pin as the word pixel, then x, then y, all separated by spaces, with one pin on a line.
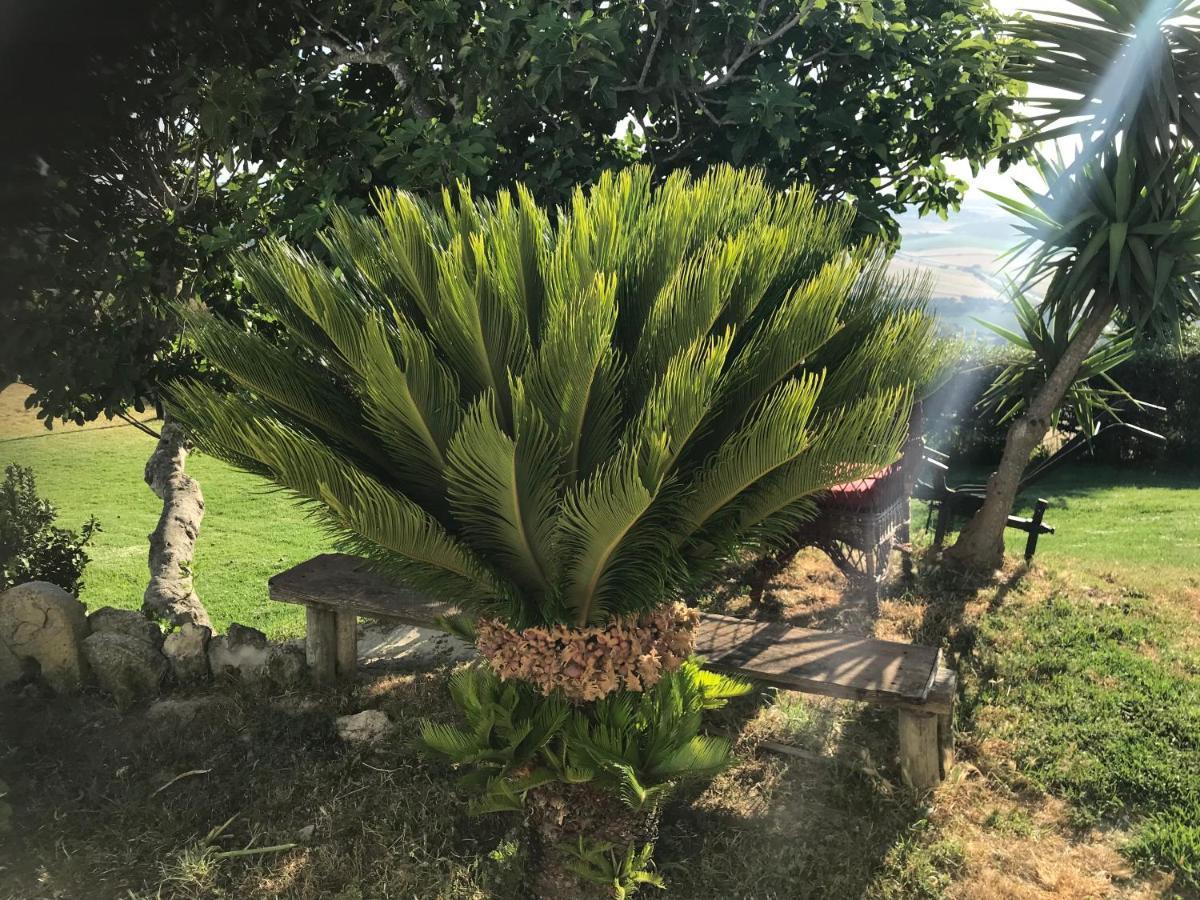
pixel 1168 375
pixel 32 548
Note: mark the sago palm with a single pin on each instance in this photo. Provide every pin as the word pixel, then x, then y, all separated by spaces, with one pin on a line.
pixel 558 422
pixel 564 419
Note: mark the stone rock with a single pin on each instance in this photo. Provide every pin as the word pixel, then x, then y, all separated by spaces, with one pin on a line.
pixel 363 729
pixel 241 651
pixel 245 636
pixel 126 621
pixel 186 650
pixel 246 653
pixel 287 665
pixel 42 627
pixel 126 667
pixel 179 712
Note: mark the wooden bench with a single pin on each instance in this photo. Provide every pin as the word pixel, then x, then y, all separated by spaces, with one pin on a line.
pixel 335 589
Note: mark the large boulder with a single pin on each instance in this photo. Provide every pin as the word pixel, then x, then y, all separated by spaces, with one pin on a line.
pixel 245 653
pixel 127 667
pixel 186 650
pixel 42 628
pixel 11 667
pixel 127 621
pixel 241 651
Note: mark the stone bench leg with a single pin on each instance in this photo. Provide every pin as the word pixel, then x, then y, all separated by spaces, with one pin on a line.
pixel 331 645
pixel 920 749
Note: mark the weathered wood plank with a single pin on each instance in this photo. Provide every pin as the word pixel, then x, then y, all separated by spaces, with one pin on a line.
pixel 347 644
pixel 920 750
pixel 818 662
pixel 815 662
pixel 338 581
pixel 320 644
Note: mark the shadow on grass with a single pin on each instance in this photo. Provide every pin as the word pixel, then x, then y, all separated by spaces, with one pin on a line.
pixel 96 813
pixel 827 817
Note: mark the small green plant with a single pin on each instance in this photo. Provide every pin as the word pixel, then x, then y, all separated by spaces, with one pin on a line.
pixel 600 863
pixel 193 870
pixel 635 744
pixel 32 548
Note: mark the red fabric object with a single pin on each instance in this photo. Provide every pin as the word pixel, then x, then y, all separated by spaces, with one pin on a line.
pixel 865 491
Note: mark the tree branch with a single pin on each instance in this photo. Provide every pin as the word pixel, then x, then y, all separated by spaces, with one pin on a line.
pixel 751 48
pixel 347 53
pixel 662 26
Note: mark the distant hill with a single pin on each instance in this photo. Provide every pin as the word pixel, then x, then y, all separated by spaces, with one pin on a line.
pixel 964 255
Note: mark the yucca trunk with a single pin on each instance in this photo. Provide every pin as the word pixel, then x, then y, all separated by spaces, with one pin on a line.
pixel 981 543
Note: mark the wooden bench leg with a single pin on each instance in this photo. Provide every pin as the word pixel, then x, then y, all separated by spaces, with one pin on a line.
pixel 320 644
pixel 1035 528
pixel 920 750
pixel 943 522
pixel 347 645
pixel 946 742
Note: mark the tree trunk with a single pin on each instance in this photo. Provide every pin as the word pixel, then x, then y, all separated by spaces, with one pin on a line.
pixel 170 594
pixel 981 543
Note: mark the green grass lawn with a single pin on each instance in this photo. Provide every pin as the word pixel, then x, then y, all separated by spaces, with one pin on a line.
pixel 1142 525
pixel 250 531
pixel 1101 705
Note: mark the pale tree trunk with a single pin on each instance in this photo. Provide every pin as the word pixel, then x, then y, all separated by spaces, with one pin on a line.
pixel 170 594
pixel 981 543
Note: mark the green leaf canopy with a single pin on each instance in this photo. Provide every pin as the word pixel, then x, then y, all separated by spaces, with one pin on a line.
pixel 562 418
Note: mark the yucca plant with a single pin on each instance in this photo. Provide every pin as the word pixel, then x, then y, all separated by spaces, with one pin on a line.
pixel 560 422
pixel 1116 232
pixel 1043 339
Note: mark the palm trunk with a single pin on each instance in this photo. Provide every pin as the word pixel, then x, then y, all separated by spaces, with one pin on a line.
pixel 558 815
pixel 170 594
pixel 981 543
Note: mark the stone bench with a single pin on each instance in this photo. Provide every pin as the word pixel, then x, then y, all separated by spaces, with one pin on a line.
pixel 335 589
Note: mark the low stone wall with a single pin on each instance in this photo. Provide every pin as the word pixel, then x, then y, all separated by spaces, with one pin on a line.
pixel 49 641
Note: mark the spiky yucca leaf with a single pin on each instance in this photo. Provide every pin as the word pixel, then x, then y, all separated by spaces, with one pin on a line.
pixel 558 419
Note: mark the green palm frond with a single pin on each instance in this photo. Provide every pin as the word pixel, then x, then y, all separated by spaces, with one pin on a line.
pixel 699 757
pixel 776 435
pixel 455 743
pixel 1092 395
pixel 552 418
pixel 716 689
pixel 503 491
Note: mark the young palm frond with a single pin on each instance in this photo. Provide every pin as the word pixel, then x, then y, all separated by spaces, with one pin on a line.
pixel 555 419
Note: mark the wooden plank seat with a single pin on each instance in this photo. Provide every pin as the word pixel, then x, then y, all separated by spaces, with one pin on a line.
pixel 336 589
